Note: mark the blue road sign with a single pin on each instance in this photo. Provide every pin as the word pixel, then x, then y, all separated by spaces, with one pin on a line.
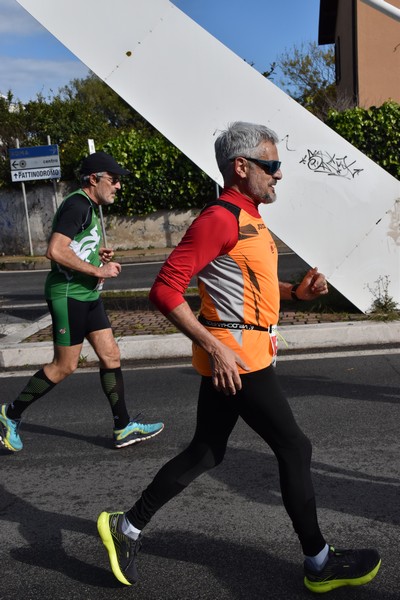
pixel 33 152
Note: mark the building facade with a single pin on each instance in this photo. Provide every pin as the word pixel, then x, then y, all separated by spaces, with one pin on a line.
pixel 367 50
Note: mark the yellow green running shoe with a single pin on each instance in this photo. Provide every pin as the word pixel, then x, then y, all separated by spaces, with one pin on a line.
pixel 343 567
pixel 122 550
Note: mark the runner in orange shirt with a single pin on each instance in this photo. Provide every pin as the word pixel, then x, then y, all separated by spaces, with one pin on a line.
pixel 234 257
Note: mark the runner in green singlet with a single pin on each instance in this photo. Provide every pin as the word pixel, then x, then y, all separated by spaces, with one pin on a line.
pixel 79 265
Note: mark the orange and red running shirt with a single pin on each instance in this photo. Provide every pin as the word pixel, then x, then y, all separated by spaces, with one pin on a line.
pixel 236 263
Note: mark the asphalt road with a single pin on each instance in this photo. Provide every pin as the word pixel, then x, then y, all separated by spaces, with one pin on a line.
pixel 227 536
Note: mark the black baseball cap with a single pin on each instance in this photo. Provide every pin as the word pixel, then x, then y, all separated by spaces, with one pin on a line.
pixel 99 162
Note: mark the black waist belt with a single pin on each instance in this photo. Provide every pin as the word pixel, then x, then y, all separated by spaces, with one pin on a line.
pixel 233 325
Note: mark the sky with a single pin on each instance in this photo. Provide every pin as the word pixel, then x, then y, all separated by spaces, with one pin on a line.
pixel 32 61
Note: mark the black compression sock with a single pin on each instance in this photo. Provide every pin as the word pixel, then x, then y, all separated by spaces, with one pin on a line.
pixel 112 383
pixel 38 385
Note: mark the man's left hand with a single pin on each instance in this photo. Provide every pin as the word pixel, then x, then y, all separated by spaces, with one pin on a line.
pixel 106 255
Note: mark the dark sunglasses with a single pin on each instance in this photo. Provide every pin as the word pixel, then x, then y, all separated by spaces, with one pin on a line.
pixel 270 166
pixel 113 179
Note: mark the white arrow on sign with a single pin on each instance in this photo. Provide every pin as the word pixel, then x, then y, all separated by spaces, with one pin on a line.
pixel 35 174
pixel 36 162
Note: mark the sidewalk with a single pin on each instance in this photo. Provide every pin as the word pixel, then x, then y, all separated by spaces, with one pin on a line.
pixel 16 352
pixel 147 335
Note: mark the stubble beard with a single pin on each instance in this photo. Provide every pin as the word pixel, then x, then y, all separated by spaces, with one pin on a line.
pixel 269 199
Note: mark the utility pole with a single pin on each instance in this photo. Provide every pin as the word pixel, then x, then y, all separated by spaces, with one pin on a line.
pixel 26 210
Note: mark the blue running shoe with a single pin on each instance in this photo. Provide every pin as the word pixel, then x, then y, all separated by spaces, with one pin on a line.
pixel 9 436
pixel 136 432
pixel 122 550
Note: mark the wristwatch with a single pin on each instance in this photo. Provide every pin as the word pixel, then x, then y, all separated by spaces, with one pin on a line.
pixel 293 292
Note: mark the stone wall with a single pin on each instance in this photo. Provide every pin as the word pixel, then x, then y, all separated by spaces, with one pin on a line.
pixel 162 229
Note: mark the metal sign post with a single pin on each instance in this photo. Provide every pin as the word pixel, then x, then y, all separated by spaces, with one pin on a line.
pixel 26 212
pixel 55 199
pixel 91 147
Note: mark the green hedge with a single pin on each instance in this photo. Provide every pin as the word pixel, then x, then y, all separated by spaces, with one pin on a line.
pixel 375 131
pixel 162 177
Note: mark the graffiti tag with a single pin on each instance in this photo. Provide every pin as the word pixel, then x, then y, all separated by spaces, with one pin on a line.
pixel 323 162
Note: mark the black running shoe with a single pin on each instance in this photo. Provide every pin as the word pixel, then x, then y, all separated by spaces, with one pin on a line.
pixel 122 550
pixel 344 567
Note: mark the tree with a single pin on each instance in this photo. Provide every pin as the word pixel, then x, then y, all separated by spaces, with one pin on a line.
pixel 309 77
pixel 87 108
pixel 103 102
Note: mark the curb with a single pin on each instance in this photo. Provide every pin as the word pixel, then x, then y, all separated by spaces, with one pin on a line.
pixel 15 353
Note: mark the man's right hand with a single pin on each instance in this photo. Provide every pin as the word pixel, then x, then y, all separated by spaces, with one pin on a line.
pixel 224 361
pixel 111 269
pixel 225 374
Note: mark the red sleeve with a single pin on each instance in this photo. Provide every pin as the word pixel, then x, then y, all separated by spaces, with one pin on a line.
pixel 213 233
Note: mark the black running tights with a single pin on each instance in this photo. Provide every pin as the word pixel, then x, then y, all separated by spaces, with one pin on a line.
pixel 263 406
